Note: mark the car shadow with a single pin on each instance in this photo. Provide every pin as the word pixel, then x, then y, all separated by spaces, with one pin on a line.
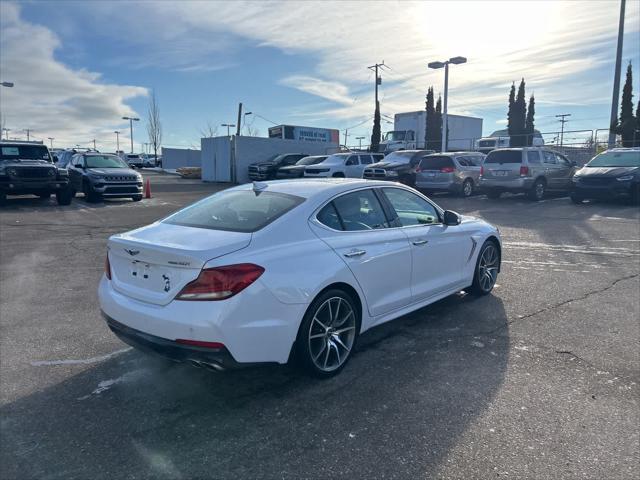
pixel 411 390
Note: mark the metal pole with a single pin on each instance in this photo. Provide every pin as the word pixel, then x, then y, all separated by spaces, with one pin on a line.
pixel 444 109
pixel 239 124
pixel 117 141
pixel 131 132
pixel 616 79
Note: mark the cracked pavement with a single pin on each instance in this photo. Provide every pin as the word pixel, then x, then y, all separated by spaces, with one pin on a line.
pixel 539 380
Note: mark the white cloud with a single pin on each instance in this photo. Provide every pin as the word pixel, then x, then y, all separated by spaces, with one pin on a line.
pixel 334 91
pixel 51 99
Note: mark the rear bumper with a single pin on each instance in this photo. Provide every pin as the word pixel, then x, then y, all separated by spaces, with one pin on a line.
pixel 216 358
pixel 450 185
pixel 515 185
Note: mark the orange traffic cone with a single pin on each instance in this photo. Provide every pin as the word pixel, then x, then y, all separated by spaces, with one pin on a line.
pixel 147 189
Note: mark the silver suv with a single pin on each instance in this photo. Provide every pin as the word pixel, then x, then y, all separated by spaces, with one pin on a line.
pixel 456 172
pixel 525 170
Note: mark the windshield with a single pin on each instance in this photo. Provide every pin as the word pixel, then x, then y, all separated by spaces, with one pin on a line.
pixel 616 159
pixel 399 157
pixel 236 211
pixel 395 136
pixel 24 152
pixel 337 158
pixel 310 160
pixel 504 156
pixel 104 161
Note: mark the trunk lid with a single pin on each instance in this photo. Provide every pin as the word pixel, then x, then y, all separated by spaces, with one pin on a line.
pixel 152 264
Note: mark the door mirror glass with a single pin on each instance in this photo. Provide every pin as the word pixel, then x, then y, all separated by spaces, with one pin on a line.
pixel 451 218
pixel 55 159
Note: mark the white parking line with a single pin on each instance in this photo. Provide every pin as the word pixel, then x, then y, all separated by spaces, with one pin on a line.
pixel 84 361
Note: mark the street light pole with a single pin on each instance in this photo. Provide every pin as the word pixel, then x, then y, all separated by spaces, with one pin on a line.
pixel 6 130
pixel 131 120
pixel 51 139
pixel 616 80
pixel 436 65
pixel 117 132
pixel 360 138
pixel 244 117
pixel 228 125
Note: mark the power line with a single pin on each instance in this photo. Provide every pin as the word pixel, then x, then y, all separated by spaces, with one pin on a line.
pixel 562 121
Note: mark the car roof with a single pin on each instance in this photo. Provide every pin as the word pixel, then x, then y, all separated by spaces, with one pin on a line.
pixel 313 187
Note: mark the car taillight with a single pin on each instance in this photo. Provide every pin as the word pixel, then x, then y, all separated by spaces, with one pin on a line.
pixel 481 170
pixel 447 169
pixel 199 343
pixel 107 267
pixel 524 171
pixel 220 283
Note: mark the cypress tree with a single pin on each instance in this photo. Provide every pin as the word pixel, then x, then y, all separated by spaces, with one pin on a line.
pixel 437 144
pixel 375 135
pixel 512 101
pixel 520 118
pixel 431 121
pixel 530 124
pixel 627 123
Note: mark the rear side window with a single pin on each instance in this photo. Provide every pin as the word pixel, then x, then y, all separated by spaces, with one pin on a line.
pixel 504 156
pixel 436 162
pixel 329 217
pixel 533 157
pixel 236 211
pixel 360 210
pixel 549 157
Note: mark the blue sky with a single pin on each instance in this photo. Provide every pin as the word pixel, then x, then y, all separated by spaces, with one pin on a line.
pixel 80 66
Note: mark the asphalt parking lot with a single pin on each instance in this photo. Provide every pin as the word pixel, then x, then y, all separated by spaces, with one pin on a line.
pixel 538 380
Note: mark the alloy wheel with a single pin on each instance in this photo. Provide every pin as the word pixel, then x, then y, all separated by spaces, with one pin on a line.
pixel 488 267
pixel 332 333
pixel 467 188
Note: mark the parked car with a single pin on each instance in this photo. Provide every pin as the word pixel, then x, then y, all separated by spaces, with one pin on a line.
pixel 455 172
pixel 297 170
pixel 611 174
pixel 27 168
pixel 102 175
pixel 397 166
pixel 343 165
pixel 134 160
pixel 531 170
pixel 233 294
pixel 268 170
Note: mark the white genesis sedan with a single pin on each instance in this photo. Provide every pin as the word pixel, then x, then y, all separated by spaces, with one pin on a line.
pixel 291 269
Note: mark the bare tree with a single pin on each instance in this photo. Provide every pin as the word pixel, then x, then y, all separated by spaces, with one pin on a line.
pixel 209 130
pixel 252 131
pixel 154 126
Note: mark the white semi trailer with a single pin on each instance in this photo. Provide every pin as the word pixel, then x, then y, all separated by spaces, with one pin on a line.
pixel 409 132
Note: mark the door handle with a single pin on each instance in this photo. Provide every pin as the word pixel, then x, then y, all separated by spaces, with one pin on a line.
pixel 420 242
pixel 355 253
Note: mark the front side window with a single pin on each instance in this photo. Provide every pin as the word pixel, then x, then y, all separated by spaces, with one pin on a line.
pixel 549 157
pixel 352 160
pixel 533 157
pixel 236 211
pixel 562 161
pixel 411 209
pixel 360 210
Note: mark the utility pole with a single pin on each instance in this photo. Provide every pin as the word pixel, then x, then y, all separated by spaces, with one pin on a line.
pixel 376 135
pixel 94 143
pixel 6 130
pixel 117 132
pixel 28 130
pixel 562 121
pixel 360 139
pixel 346 135
pixel 239 122
pixel 616 79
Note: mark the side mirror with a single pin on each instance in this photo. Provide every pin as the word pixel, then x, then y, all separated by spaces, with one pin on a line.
pixel 451 218
pixel 574 163
pixel 55 159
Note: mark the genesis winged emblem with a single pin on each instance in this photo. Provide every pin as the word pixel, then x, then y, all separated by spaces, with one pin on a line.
pixel 133 253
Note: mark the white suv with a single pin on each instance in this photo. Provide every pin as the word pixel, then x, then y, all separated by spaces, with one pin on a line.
pixel 343 165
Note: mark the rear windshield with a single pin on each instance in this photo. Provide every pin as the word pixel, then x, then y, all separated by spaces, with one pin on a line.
pixel 436 162
pixel 236 211
pixel 616 159
pixel 24 152
pixel 504 156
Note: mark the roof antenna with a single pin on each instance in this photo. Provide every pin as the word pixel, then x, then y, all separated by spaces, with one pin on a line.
pixel 258 187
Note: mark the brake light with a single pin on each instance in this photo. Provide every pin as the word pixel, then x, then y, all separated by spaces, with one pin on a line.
pixel 220 283
pixel 447 169
pixel 524 171
pixel 107 267
pixel 418 169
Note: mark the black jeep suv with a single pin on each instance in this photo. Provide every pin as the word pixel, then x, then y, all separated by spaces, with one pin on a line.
pixel 28 168
pixel 268 170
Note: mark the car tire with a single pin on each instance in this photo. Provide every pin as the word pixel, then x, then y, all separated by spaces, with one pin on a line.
pixel 44 195
pixel 577 199
pixel 338 175
pixel 538 190
pixel 328 334
pixel 494 193
pixel 136 198
pixel 467 188
pixel 488 263
pixel 89 195
pixel 64 197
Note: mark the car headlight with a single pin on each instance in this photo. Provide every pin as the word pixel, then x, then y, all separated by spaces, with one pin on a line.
pixel 575 178
pixel 625 178
pixel 63 172
pixel 391 173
